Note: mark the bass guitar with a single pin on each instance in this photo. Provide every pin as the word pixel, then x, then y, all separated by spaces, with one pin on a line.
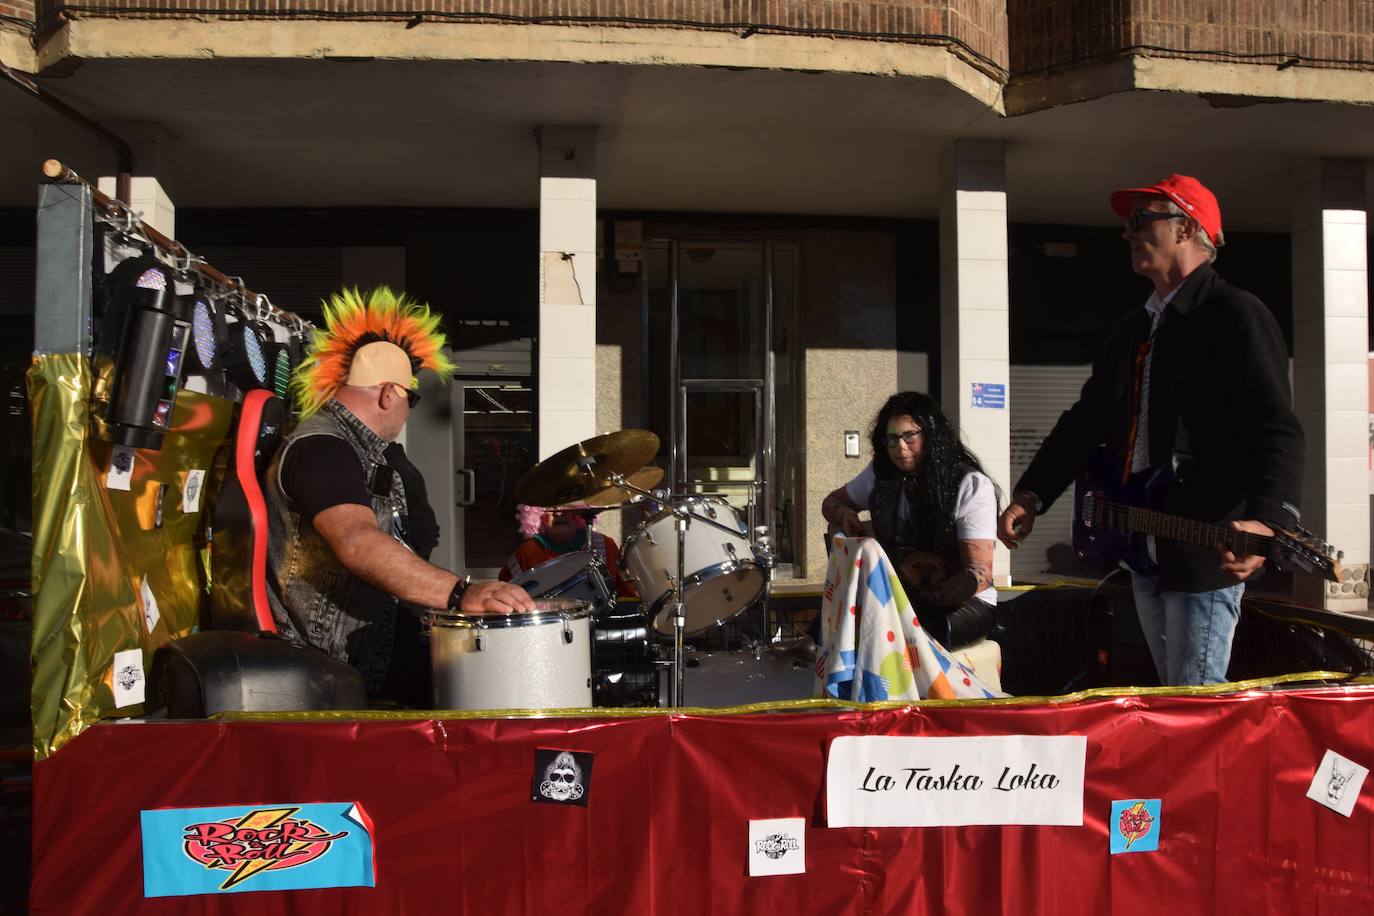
pixel 1112 522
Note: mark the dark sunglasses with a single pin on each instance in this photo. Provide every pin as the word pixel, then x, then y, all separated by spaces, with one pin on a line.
pixel 1142 216
pixel 412 396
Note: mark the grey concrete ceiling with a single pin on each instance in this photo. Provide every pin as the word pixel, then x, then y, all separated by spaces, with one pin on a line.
pixel 453 134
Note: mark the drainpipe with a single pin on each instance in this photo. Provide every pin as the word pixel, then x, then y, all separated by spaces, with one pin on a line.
pixel 123 180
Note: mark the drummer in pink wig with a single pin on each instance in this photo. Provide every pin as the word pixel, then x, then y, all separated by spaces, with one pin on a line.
pixel 553 532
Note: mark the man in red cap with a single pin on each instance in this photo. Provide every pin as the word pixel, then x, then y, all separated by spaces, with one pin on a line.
pixel 1195 383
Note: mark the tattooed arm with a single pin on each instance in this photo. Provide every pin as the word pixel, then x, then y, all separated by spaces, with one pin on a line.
pixel 972 578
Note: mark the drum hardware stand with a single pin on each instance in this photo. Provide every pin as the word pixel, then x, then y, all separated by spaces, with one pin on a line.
pixel 763 555
pixel 676 698
pixel 678 606
pixel 767 561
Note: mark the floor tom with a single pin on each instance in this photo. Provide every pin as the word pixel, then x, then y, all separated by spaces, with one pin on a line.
pixel 541 659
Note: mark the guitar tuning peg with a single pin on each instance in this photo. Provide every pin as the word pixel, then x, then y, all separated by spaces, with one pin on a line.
pixel 1340 554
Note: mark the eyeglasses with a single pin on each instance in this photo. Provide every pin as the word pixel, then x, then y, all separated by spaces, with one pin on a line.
pixel 908 438
pixel 1142 216
pixel 412 396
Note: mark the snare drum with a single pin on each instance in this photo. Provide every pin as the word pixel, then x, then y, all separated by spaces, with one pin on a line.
pixel 537 660
pixel 722 575
pixel 576 575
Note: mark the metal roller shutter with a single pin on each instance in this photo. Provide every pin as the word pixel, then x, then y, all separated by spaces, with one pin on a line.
pixel 1039 395
pixel 294 278
pixel 17 268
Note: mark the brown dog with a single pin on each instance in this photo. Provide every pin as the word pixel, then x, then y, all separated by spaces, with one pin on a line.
pixel 920 569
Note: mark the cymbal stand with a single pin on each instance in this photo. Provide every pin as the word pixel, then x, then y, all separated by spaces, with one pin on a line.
pixel 676 696
pixel 678 607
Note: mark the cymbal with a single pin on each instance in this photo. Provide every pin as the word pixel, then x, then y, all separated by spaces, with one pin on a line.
pixel 585 467
pixel 643 479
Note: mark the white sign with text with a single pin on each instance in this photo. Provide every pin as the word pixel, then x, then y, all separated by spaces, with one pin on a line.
pixel 777 846
pixel 889 781
pixel 128 681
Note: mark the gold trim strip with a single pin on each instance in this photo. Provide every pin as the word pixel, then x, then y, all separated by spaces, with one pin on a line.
pixel 784 706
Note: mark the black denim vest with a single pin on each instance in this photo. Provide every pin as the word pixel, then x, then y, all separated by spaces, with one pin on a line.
pixel 316 601
pixel 899 535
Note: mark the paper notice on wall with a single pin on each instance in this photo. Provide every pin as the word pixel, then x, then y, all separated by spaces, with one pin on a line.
pixel 190 491
pixel 127 673
pixel 886 781
pixel 121 472
pixel 1337 783
pixel 151 614
pixel 777 846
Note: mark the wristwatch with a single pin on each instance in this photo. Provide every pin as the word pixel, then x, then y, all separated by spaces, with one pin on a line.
pixel 455 597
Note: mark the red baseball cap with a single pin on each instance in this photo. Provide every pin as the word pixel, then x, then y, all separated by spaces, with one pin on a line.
pixel 1189 193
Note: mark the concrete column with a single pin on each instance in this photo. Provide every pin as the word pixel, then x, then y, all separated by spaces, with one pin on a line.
pixel 1330 368
pixel 152 188
pixel 567 287
pixel 974 355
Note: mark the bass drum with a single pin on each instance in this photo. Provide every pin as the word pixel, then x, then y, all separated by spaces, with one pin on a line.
pixel 575 575
pixel 541 659
pixel 723 577
pixel 624 666
pixel 742 677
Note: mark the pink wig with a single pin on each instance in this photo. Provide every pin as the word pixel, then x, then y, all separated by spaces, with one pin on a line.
pixel 528 518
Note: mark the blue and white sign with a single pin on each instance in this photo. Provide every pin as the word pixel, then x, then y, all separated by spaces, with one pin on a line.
pixel 990 395
pixel 256 848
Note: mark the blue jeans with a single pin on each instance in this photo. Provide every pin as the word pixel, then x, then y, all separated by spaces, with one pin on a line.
pixel 1189 633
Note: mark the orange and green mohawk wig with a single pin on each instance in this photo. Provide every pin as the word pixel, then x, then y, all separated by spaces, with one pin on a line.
pixel 352 320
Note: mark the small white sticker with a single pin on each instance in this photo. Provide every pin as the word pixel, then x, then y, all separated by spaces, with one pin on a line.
pixel 777 846
pixel 1337 783
pixel 121 468
pixel 190 491
pixel 128 677
pixel 150 612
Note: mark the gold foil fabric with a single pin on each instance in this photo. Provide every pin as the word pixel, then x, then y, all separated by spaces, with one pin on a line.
pixel 98 551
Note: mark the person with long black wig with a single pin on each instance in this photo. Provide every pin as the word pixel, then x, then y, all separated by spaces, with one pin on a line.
pixel 934 511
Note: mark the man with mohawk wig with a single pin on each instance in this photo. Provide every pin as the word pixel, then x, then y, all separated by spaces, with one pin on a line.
pixel 340 492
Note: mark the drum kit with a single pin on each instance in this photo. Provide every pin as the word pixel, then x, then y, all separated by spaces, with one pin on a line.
pixel 693 560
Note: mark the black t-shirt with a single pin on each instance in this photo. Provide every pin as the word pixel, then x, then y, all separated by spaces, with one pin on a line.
pixel 422 527
pixel 320 472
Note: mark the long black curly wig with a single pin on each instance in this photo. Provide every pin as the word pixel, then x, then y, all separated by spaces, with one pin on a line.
pixel 933 487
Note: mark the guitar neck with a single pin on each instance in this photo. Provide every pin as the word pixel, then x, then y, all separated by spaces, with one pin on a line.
pixel 1187 530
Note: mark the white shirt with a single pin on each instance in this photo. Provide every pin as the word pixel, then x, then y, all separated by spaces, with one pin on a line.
pixel 1140 456
pixel 975 509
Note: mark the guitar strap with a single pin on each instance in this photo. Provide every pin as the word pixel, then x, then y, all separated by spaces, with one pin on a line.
pixel 1183 446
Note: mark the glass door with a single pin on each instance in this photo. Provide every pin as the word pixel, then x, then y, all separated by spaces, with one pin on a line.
pixel 719 337
pixel 493 447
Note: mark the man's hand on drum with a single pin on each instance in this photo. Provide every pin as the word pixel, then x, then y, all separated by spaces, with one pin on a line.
pixel 496 598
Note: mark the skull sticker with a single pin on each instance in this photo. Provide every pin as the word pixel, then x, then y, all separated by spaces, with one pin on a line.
pixel 561 777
